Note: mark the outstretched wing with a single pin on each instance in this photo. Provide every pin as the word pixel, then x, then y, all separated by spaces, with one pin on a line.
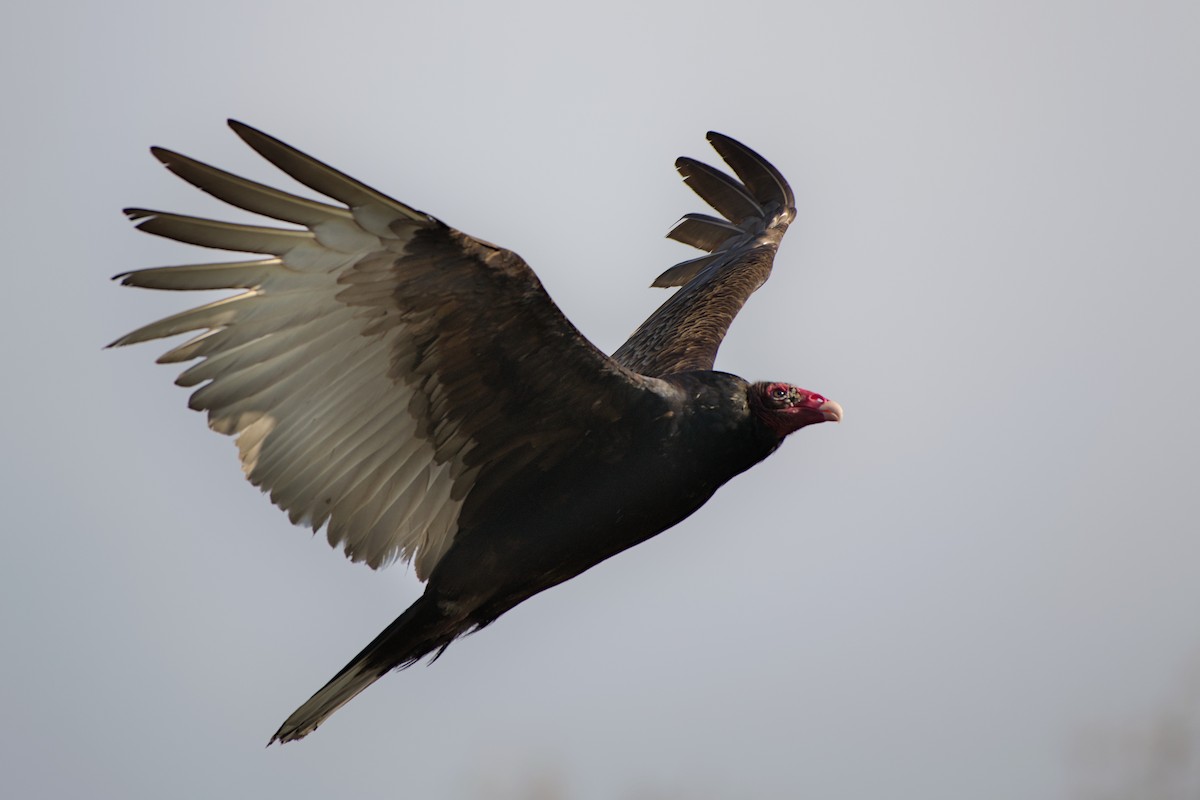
pixel 377 362
pixel 686 331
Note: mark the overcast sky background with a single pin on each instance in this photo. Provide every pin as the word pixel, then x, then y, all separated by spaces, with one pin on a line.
pixel 984 584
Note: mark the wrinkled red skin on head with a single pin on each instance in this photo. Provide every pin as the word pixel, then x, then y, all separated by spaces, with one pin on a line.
pixel 785 408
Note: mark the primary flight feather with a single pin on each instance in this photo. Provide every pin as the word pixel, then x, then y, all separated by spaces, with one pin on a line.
pixel 416 392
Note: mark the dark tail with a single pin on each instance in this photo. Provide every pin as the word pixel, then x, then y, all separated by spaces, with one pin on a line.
pixel 420 630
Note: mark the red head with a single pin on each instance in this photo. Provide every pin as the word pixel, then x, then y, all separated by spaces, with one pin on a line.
pixel 785 408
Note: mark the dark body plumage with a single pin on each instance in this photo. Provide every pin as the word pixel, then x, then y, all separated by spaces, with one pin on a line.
pixel 618 488
pixel 415 390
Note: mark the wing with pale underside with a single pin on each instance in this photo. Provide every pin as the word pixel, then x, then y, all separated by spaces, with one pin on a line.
pixel 377 362
pixel 756 208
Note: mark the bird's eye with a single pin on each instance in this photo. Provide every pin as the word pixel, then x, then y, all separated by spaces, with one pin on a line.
pixel 779 393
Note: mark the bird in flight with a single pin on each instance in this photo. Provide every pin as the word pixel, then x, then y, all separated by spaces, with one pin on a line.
pixel 416 392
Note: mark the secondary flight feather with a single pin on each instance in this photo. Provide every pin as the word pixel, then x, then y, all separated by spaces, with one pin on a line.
pixel 417 393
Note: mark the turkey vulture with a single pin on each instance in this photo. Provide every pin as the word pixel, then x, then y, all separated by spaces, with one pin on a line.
pixel 416 391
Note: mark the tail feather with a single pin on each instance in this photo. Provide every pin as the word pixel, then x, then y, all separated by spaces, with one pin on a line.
pixel 420 630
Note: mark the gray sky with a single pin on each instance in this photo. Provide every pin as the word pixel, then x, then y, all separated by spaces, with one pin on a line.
pixel 974 587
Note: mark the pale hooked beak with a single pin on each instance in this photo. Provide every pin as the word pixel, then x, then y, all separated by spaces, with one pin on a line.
pixel 831 411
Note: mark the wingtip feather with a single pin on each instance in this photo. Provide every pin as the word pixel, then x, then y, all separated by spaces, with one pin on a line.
pixel 237 126
pixel 758 174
